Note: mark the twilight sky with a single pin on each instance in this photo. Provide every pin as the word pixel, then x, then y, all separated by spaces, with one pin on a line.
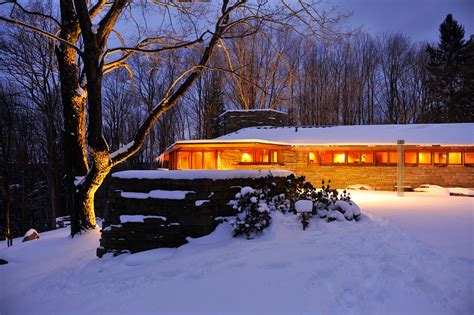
pixel 419 19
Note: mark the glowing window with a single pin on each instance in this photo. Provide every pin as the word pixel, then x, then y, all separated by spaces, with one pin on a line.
pixel 440 157
pixel 424 157
pixel 366 157
pixel 247 157
pixel 469 158
pixel 184 160
pixel 196 160
pixel 410 158
pixel 339 158
pixel 261 156
pixel 274 155
pixel 209 160
pixel 454 158
pixel 353 157
pixel 393 157
pixel 381 157
pixel 326 157
pixel 312 158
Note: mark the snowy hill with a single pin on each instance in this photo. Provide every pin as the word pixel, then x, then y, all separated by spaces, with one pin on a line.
pixel 391 262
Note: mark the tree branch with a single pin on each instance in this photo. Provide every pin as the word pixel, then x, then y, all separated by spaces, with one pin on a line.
pixel 42 32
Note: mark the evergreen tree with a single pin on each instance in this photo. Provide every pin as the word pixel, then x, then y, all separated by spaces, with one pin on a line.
pixel 451 76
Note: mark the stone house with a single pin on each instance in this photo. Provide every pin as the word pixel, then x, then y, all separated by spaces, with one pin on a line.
pixel 441 154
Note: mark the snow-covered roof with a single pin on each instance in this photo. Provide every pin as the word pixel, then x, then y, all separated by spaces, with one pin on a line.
pixel 199 174
pixel 416 134
pixel 252 110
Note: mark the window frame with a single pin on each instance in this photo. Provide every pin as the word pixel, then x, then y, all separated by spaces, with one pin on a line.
pixel 268 154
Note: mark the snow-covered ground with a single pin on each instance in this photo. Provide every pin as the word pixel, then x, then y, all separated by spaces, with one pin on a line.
pixel 410 255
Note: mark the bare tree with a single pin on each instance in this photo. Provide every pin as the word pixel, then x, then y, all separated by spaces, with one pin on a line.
pixel 95 23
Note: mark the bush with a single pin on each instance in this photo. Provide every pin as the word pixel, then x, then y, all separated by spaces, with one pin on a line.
pixel 253 212
pixel 327 203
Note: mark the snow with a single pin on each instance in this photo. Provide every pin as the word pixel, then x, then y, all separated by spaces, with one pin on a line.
pixel 157 194
pixel 139 218
pixel 122 149
pixel 252 110
pixel 81 92
pixel 433 190
pixel 461 191
pixel 360 187
pixel 407 255
pixel 443 191
pixel 414 134
pixel 199 203
pixel 200 174
pixel 30 232
pixel 304 206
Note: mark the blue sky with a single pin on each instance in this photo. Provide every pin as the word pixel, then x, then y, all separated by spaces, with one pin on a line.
pixel 419 19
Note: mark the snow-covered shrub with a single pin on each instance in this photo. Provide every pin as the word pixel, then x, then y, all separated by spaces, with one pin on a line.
pixel 253 212
pixel 327 202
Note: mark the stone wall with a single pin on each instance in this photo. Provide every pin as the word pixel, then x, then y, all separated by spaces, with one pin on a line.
pixel 231 121
pixel 170 221
pixel 379 177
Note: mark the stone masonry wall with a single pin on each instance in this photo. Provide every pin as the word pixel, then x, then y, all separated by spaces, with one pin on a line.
pixel 379 177
pixel 170 221
pixel 231 121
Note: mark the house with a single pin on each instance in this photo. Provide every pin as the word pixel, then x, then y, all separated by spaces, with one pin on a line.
pixel 441 154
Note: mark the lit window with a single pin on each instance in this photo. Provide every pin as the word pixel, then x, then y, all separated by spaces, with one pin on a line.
pixel 366 157
pixel 209 160
pixel 440 157
pixel 247 157
pixel 424 157
pixel 352 157
pixel 410 157
pixel 274 155
pixel 381 158
pixel 393 157
pixel 184 159
pixel 261 156
pixel 339 158
pixel 312 158
pixel 469 158
pixel 196 160
pixel 454 158
pixel 326 157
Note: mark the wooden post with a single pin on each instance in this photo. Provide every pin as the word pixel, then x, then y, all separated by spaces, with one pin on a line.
pixel 400 167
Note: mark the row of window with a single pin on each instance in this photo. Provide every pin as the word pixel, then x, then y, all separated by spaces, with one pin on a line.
pixel 259 156
pixel 390 158
pixel 196 160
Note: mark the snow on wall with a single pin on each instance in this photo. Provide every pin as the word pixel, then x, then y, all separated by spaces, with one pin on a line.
pixel 417 134
pixel 139 218
pixel 157 194
pixel 199 174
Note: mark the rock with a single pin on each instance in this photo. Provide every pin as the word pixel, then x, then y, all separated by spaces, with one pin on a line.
pixel 3 262
pixel 32 234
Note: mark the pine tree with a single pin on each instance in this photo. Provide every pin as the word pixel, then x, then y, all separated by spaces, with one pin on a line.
pixel 451 75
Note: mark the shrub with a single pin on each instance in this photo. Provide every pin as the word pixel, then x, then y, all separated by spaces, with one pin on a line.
pixel 253 212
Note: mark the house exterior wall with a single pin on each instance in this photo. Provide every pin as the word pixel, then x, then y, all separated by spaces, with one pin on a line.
pixel 379 177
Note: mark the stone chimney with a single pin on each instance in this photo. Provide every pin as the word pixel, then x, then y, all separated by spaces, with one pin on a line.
pixel 233 120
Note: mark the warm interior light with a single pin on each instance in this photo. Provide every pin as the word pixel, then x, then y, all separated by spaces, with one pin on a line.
pixel 469 158
pixel 454 158
pixel 312 157
pixel 275 156
pixel 424 157
pixel 246 157
pixel 339 158
pixel 440 158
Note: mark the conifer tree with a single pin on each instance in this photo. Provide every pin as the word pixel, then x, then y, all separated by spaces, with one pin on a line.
pixel 451 76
